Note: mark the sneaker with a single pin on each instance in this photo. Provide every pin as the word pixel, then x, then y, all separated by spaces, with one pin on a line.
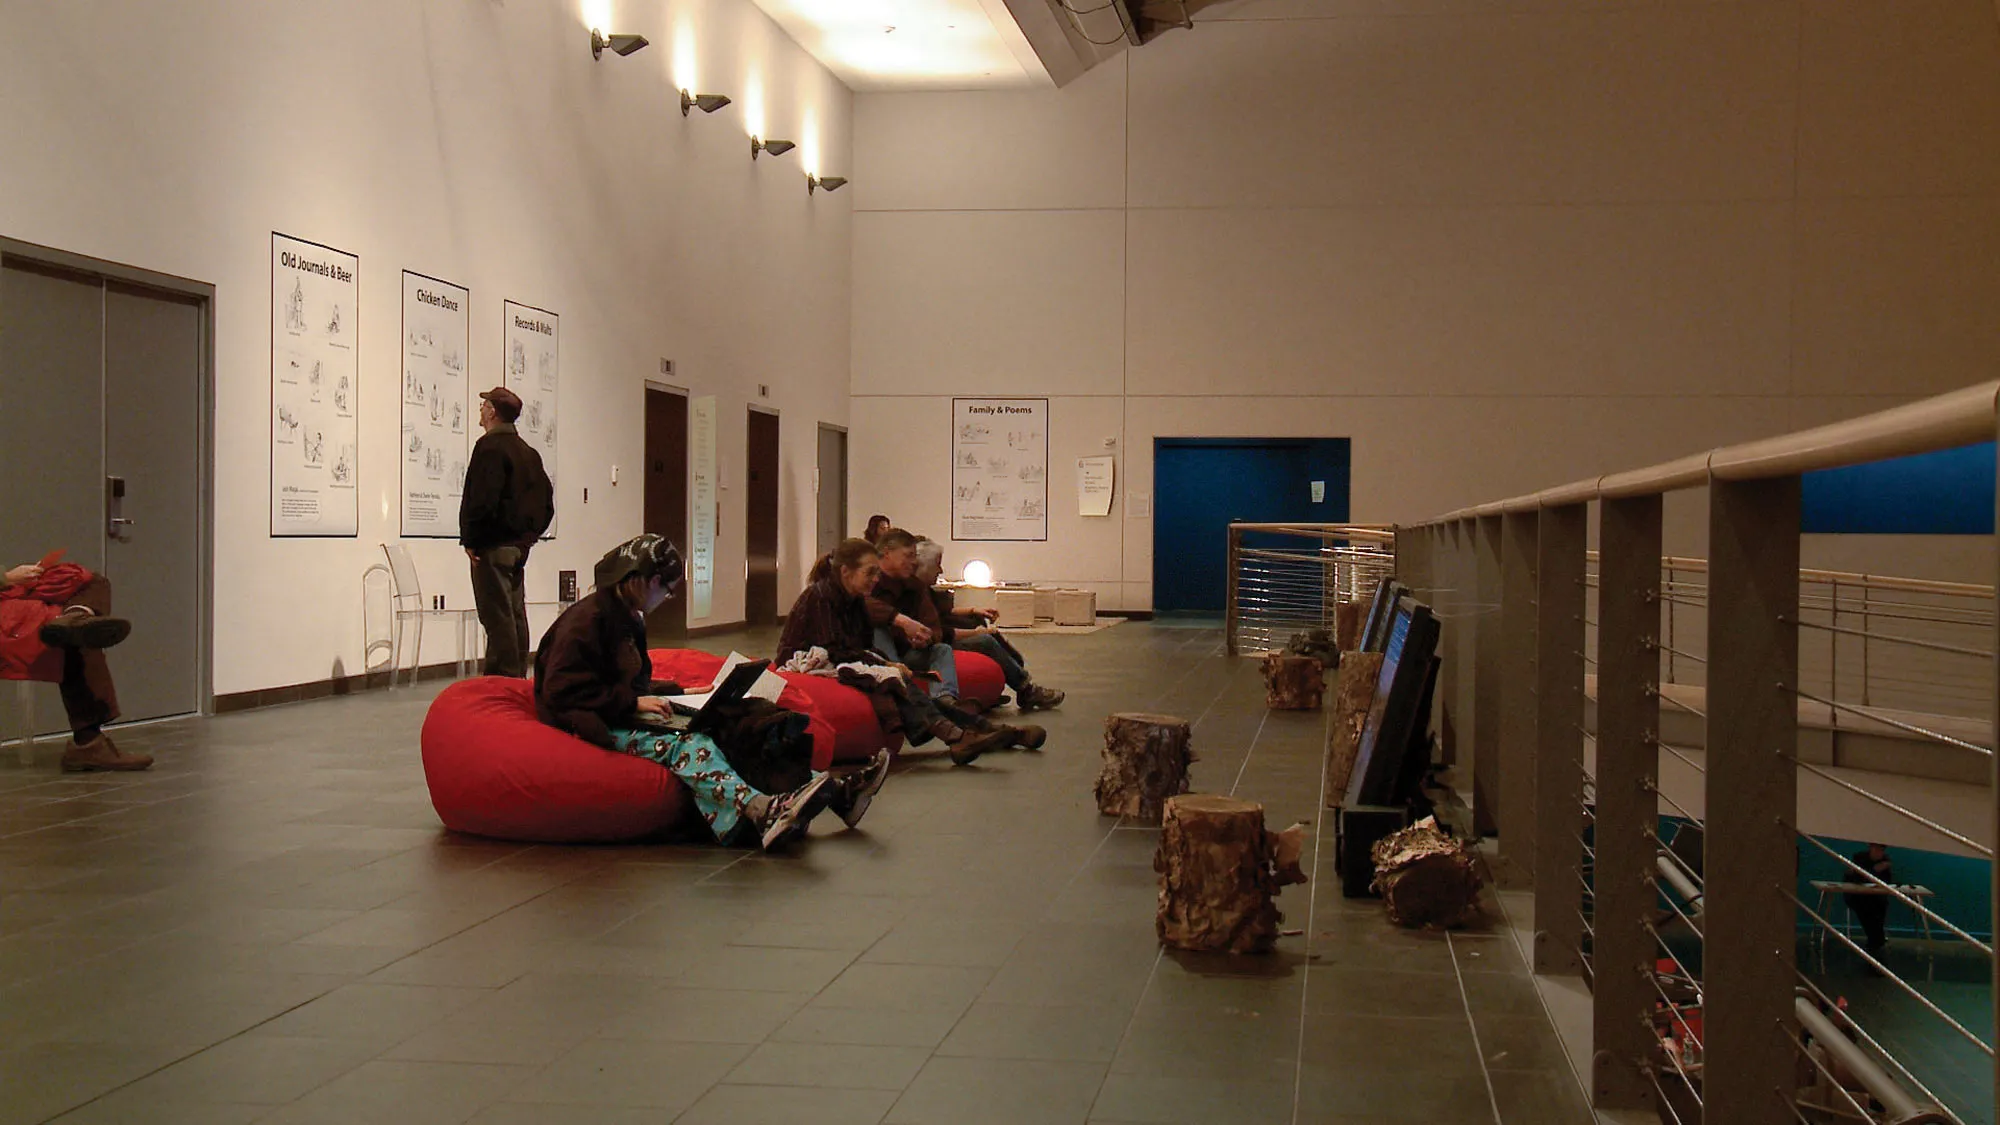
pixel 101 753
pixel 80 628
pixel 789 813
pixel 974 743
pixel 1033 696
pixel 1026 736
pixel 857 790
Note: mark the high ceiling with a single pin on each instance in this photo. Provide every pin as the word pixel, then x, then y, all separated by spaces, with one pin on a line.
pixel 913 44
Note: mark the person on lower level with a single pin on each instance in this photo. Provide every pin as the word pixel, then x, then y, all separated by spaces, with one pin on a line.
pixel 1872 911
pixel 594 680
pixel 55 623
pixel 974 631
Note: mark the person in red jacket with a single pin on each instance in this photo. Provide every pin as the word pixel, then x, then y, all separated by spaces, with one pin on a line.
pixel 55 623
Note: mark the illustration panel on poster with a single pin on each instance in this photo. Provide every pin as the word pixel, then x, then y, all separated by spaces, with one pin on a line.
pixel 1000 469
pixel 702 487
pixel 315 388
pixel 437 332
pixel 532 345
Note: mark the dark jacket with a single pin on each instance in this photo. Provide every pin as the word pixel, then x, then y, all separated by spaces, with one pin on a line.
pixel 905 596
pixel 508 500
pixel 829 617
pixel 592 667
pixel 949 616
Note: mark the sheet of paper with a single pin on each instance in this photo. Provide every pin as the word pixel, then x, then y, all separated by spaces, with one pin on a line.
pixel 1094 477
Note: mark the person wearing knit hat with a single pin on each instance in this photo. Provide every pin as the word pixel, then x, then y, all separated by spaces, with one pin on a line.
pixel 594 679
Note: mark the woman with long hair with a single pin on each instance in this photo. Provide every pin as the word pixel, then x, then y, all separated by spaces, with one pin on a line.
pixel 830 615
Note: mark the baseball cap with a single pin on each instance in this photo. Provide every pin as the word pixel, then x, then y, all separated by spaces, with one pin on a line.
pixel 506 402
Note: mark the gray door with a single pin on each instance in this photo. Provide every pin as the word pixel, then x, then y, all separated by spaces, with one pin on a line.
pixel 153 357
pixel 71 343
pixel 831 480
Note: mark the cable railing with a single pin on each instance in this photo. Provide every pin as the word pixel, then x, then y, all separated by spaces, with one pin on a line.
pixel 1737 726
pixel 1285 579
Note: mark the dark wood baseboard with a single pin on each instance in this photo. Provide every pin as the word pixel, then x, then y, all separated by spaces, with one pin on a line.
pixel 327 688
pixel 713 630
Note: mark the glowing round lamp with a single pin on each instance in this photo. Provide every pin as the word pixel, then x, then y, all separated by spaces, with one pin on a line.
pixel 977 573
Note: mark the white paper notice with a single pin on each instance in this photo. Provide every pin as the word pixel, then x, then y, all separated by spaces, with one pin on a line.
pixel 1000 469
pixel 532 344
pixel 701 484
pixel 315 388
pixel 437 332
pixel 1093 485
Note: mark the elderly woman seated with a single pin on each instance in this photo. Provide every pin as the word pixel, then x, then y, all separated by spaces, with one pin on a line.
pixel 594 679
pixel 832 616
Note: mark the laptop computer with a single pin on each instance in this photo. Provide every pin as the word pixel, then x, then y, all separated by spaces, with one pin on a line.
pixel 697 713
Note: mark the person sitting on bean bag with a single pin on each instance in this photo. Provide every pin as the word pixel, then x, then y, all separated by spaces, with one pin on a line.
pixel 594 680
pixel 832 615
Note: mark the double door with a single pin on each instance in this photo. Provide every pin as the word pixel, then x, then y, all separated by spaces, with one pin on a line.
pixel 102 418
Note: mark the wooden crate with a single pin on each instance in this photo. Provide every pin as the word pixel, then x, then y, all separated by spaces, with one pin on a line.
pixel 1016 606
pixel 1045 603
pixel 1076 607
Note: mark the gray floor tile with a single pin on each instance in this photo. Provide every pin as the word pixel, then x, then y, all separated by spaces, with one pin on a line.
pixel 1154 1099
pixel 1022 1031
pixel 957 1091
pixel 787 1105
pixel 847 1066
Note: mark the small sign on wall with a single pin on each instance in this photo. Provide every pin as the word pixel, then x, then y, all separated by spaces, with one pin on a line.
pixel 1319 491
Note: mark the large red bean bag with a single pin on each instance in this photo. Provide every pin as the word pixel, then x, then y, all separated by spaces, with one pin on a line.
pixel 980 678
pixel 494 769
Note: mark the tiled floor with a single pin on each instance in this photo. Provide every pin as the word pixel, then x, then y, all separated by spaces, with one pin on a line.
pixel 271 926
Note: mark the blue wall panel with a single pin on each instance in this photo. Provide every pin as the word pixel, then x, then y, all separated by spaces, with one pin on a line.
pixel 1945 493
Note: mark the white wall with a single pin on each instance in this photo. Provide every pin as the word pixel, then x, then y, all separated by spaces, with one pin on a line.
pixel 1501 246
pixel 475 141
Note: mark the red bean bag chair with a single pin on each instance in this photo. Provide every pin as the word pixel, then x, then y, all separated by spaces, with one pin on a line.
pixel 980 678
pixel 494 769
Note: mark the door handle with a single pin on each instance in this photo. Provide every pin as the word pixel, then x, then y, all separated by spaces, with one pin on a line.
pixel 114 503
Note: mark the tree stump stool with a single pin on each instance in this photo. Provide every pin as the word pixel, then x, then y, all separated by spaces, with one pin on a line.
pixel 1219 871
pixel 1347 624
pixel 1293 683
pixel 1353 696
pixel 1426 878
pixel 1146 761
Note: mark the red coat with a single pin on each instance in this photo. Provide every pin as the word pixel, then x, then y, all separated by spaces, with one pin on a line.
pixel 24 609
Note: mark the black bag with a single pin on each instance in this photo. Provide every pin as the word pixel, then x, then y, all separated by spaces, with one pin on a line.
pixel 765 744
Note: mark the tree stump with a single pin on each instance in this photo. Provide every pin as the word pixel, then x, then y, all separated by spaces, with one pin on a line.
pixel 1293 683
pixel 1146 761
pixel 1426 878
pixel 1219 871
pixel 1353 695
pixel 1347 624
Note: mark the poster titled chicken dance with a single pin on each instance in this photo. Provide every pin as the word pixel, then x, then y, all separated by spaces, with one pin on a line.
pixel 533 354
pixel 315 388
pixel 1000 469
pixel 437 327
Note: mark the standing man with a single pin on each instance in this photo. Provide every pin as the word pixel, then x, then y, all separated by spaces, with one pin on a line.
pixel 1872 911
pixel 508 502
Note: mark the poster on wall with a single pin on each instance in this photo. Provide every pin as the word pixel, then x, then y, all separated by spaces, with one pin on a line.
pixel 1094 479
pixel 437 332
pixel 1000 469
pixel 315 388
pixel 701 487
pixel 532 345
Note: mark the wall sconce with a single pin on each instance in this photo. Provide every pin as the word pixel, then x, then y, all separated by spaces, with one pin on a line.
pixel 621 45
pixel 824 183
pixel 707 103
pixel 774 147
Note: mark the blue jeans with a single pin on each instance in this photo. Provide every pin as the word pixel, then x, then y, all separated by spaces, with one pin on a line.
pixel 937 658
pixel 986 644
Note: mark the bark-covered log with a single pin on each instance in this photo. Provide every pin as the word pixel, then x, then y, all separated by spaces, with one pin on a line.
pixel 1293 683
pixel 1426 878
pixel 1347 618
pixel 1146 761
pixel 1219 871
pixel 1353 695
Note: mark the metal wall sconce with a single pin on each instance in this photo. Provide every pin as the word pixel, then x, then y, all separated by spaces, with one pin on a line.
pixel 774 147
pixel 707 103
pixel 824 183
pixel 621 45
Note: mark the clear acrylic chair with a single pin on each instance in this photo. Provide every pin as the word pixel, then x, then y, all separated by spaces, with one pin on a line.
pixel 408 608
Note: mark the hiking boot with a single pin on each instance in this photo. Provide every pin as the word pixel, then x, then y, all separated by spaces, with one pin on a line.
pixel 1032 696
pixel 974 743
pixel 857 790
pixel 1026 736
pixel 101 753
pixel 77 627
pixel 788 814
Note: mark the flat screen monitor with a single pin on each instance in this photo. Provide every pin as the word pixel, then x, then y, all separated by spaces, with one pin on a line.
pixel 1388 739
pixel 1381 612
